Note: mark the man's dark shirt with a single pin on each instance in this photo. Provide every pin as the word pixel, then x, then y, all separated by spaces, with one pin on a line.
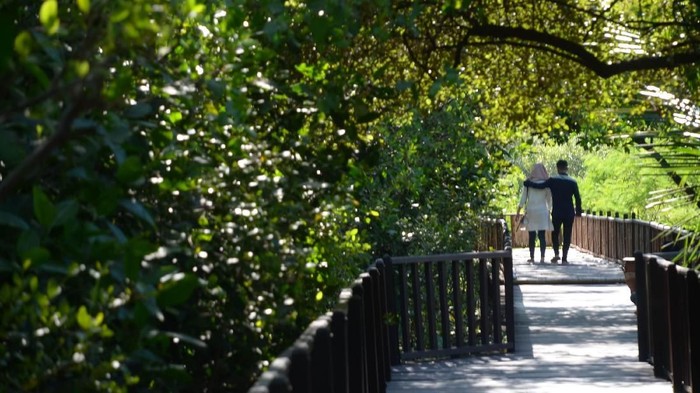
pixel 563 188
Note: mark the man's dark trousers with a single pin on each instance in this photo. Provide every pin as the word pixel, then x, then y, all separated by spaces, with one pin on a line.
pixel 568 224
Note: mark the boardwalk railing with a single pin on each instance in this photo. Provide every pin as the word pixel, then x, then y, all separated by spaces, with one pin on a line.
pixel 351 348
pixel 668 320
pixel 343 351
pixel 615 237
pixel 612 236
pixel 453 304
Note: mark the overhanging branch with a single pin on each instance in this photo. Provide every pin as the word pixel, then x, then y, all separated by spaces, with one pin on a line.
pixel 579 53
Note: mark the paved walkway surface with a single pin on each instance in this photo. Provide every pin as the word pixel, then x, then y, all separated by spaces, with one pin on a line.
pixel 583 268
pixel 575 332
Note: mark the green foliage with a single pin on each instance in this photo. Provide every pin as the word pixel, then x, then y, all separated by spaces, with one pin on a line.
pixel 432 183
pixel 173 193
pixel 186 184
pixel 610 180
pixel 617 182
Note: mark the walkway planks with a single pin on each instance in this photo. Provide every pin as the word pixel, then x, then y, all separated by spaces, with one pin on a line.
pixel 570 337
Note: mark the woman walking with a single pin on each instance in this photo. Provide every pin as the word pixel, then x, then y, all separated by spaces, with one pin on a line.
pixel 538 205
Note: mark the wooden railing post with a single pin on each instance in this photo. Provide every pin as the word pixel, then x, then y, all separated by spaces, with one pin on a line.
pixel 471 304
pixel 444 309
pixel 659 316
pixel 385 291
pixel 430 305
pixel 579 228
pixel 510 306
pixel 679 327
pixel 593 232
pixel 300 367
pixel 643 323
pixel 379 312
pixel 457 303
pixel 602 233
pixel 484 302
pixel 627 249
pixel 403 310
pixel 392 313
pixel 633 233
pixel 496 298
pixel 370 333
pixel 321 355
pixel 357 343
pixel 614 235
pixel 607 250
pixel 339 328
pixel 694 327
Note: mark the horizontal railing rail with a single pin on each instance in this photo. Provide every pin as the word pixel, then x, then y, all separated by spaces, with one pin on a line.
pixel 668 320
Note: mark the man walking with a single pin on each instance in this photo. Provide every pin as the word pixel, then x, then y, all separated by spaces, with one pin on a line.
pixel 563 188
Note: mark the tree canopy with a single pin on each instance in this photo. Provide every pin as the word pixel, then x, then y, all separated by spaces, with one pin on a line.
pixel 184 185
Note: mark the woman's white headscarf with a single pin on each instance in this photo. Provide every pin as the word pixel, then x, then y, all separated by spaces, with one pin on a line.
pixel 539 172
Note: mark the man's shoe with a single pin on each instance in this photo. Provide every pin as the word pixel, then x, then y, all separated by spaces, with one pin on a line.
pixel 555 259
pixel 564 262
pixel 530 261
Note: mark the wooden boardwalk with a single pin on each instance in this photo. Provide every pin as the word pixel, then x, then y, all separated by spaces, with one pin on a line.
pixel 575 332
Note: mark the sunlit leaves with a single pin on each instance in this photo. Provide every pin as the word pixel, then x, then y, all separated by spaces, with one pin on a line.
pixel 195 8
pixel 23 44
pixel 88 322
pixel 83 5
pixel 48 15
pixel 81 68
pixel 175 117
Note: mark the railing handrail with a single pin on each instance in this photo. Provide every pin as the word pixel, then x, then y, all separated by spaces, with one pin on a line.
pixel 652 224
pixel 450 257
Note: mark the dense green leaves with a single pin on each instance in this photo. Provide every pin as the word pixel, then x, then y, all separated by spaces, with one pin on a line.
pixel 610 180
pixel 185 185
pixel 178 193
pixel 432 185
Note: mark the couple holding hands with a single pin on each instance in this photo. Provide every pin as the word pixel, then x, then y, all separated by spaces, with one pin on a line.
pixel 543 194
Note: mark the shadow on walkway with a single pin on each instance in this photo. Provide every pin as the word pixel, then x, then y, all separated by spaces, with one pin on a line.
pixel 570 336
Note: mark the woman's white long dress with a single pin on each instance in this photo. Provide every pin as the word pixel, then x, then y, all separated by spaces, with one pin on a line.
pixel 538 205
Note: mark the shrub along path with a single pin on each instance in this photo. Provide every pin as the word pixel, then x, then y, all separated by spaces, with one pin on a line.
pixel 575 332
